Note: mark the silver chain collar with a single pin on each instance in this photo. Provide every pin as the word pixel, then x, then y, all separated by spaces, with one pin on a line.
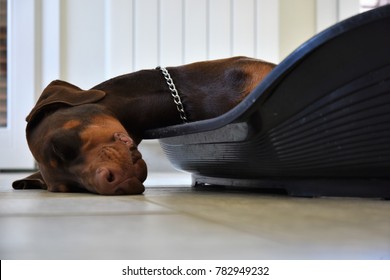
pixel 174 93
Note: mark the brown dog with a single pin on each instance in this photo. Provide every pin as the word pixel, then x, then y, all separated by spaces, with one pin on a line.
pixel 87 139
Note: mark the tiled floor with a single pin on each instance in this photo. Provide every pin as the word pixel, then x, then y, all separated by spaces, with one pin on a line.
pixel 173 221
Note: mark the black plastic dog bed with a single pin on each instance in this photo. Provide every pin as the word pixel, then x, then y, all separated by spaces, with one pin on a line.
pixel 318 125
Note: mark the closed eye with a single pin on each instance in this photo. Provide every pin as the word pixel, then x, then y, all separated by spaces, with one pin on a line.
pixel 66 146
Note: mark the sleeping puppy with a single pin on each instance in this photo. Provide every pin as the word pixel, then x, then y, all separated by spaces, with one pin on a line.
pixel 86 140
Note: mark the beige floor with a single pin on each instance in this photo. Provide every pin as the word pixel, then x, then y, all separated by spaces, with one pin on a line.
pixel 173 221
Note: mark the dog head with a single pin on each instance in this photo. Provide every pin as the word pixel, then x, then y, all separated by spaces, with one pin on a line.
pixel 78 145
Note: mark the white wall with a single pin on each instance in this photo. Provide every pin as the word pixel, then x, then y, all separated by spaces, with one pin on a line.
pixel 297 21
pixel 329 12
pixel 82 41
pixel 89 41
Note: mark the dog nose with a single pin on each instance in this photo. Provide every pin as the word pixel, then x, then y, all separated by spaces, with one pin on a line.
pixel 113 182
pixel 107 176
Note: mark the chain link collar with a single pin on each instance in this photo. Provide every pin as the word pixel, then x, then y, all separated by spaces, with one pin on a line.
pixel 174 93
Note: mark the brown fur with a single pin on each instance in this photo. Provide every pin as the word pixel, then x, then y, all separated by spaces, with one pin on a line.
pixel 87 139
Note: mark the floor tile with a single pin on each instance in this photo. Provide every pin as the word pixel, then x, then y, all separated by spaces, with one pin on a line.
pixel 82 205
pixel 126 237
pixel 325 227
pixel 171 220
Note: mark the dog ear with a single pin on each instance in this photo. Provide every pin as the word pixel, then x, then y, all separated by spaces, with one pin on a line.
pixel 60 92
pixel 34 181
